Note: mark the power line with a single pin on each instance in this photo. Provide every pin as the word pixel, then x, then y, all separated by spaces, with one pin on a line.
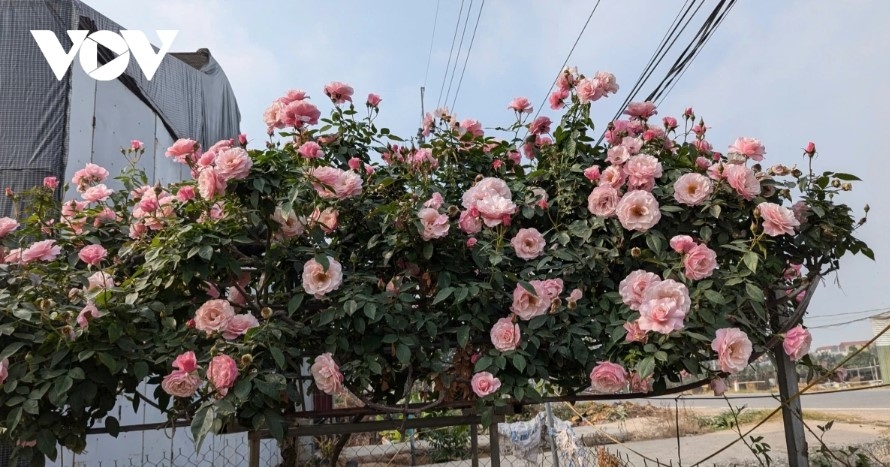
pixel 432 40
pixel 566 61
pixel 848 313
pixel 459 47
pixel 844 323
pixel 453 40
pixel 467 58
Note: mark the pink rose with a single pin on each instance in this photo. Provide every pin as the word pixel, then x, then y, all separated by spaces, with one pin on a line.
pixel 702 163
pixel 748 147
pixel 715 172
pixel 800 210
pixel 88 175
pixel 718 385
pixel 210 184
pixel 272 116
pixel 777 220
pixel 44 250
pixel 326 374
pixel 634 333
pixel 670 123
pixel 664 307
pixel 473 127
pixel 692 189
pixel 642 170
pixel 810 150
pixel 435 201
pixel 338 92
pixel 327 219
pixel 471 242
pixel 88 313
pixel 613 176
pixel 557 98
pixel 797 342
pixel 742 179
pixel 373 100
pixel 222 371
pixel 355 163
pixel 608 377
pixel 640 110
pixel 293 95
pixel 495 210
pixel 182 149
pixel 318 281
pixel 185 193
pixel 603 201
pixel 505 335
pixel 7 225
pixel 634 286
pixel 566 79
pixel 435 225
pixel 527 305
pixel 521 105
pixel 335 183
pixel 552 287
pixel 682 243
pixel 214 316
pixel 575 295
pixel 469 223
pixel 528 243
pixel 540 126
pixel 733 349
pixel 233 164
pixel 485 188
pixel 100 280
pixel 298 114
pixel 638 210
pixel 239 325
pixel 291 226
pixel 4 370
pixel 617 155
pixel 592 89
pixel 50 182
pixel 485 383
pixel 181 384
pixel 606 82
pixel 136 145
pixel 700 262
pixel 592 173
pixel 95 194
pixel 186 362
pixel 640 385
pixel 242 139
pixel 310 150
pixel 92 254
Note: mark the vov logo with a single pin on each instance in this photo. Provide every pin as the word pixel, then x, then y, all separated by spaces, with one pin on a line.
pixel 128 41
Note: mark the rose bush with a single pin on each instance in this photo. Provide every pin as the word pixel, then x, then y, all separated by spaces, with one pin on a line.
pixel 463 266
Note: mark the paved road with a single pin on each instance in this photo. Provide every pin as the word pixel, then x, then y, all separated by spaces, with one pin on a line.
pixel 869 399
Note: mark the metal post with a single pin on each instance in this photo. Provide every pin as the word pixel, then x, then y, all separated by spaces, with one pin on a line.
pixel 474 445
pixel 792 416
pixel 253 441
pixel 494 447
pixel 550 429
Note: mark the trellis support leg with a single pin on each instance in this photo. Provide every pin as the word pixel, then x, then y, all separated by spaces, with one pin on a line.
pixel 792 415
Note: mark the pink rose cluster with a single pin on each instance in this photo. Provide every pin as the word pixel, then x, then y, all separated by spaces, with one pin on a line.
pixel 434 224
pixel 184 381
pixel 334 183
pixel 663 304
pixel 699 261
pixel 527 305
pixel 489 202
pixel 293 110
pixel 218 316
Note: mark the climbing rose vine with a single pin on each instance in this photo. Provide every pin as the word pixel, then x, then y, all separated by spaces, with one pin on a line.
pixel 470 265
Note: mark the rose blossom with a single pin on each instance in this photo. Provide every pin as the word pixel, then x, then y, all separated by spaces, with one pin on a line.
pixel 373 100
pixel 88 175
pixel 718 385
pixel 233 164
pixel 485 383
pixel 485 188
pixel 50 182
pixel 642 170
pixel 44 250
pixel 641 110
pixel 86 314
pixel 575 295
pixel 540 126
pixel 797 342
pixel 638 210
pixel 310 150
pixel 640 385
pixel 733 349
pixel 777 220
pixel 664 307
pixel 338 92
pixel 612 176
pixel 632 287
pixel 800 210
pixel 748 147
pixel 682 243
pixel 326 219
pixel 557 98
pixel 495 210
pixel 435 201
pixel 505 335
pixel 592 173
pixel 527 305
pixel 634 333
pixel 222 371
pixel 214 316
pixel 299 113
pixel 181 384
pixel 317 281
pixel 291 226
pixel 335 183
pixel 239 325
pixel 528 243
pixel 92 254
pixel 469 223
pixel 210 183
pixel 608 377
pixel 96 193
pixel 521 105
pixel 326 374
pixel 700 262
pixel 692 189
pixel 435 225
pixel 100 280
pixel 602 201
pixel 186 362
pixel 473 127
pixel 4 370
pixel 7 224
pixel 715 172
pixel 742 179
pixel 181 149
pixel 471 242
pixel 618 155
pixel 552 287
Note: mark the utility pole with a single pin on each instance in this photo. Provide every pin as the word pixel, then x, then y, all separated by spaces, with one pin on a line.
pixel 422 115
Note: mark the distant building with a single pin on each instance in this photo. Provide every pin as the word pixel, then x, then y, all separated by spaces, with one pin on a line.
pixel 878 324
pixel 840 349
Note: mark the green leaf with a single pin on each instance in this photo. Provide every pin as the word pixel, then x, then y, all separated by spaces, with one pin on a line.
pixel 294 303
pixel 140 370
pixel 326 317
pixel 754 292
pixel 483 363
pixel 278 356
pixel 46 443
pixel 463 336
pixel 77 372
pixel 370 310
pixel 443 294
pixel 655 243
pixel 206 252
pixel 714 297
pixel 108 361
pixel 847 177
pixel 646 367
pixel 715 210
pixel 518 362
pixel 11 349
pixel 115 330
pixel 427 250
pixel 322 259
pixel 203 423
pixel 750 259
pixel 403 353
pixel 113 426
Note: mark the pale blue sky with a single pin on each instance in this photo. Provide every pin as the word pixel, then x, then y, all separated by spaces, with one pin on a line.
pixel 784 72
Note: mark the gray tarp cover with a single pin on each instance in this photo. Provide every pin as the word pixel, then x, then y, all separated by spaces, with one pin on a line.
pixel 193 103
